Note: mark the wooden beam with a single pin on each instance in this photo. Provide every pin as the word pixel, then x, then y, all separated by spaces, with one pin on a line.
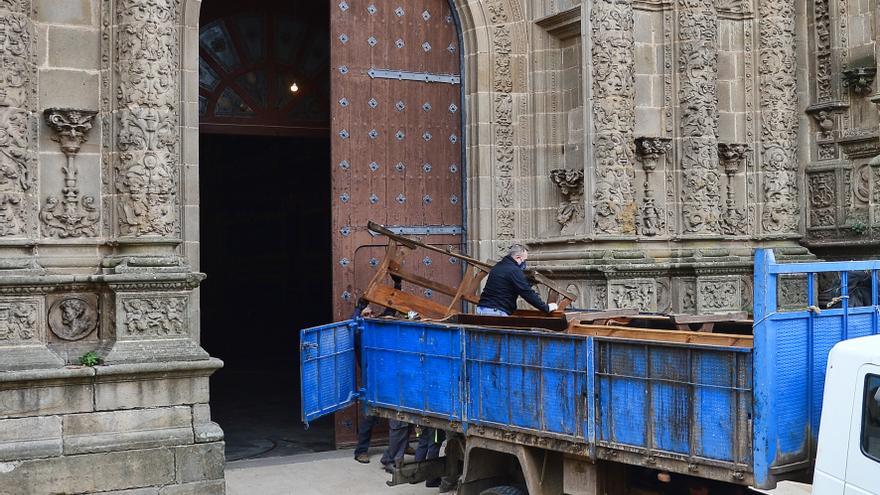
pixel 404 301
pixel 677 336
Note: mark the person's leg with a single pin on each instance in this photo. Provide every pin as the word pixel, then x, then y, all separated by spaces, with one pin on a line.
pixel 398 436
pixel 434 442
pixel 490 312
pixel 424 444
pixel 365 433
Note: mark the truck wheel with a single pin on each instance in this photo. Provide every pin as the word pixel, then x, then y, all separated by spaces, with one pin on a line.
pixel 503 490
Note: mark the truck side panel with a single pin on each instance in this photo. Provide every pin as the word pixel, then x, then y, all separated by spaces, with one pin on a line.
pixel 677 401
pixel 533 381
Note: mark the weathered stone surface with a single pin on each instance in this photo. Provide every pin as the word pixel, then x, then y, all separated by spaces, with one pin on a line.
pixel 199 488
pixel 62 88
pixel 205 430
pixel 155 392
pixel 88 473
pixel 199 462
pixel 78 12
pixel 21 400
pixel 127 430
pixel 28 438
pixel 74 48
pixel 153 490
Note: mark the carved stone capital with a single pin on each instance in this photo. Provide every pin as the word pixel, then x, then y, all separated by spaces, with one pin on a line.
pixel 570 213
pixel 651 148
pixel 71 127
pixel 859 80
pixel 731 155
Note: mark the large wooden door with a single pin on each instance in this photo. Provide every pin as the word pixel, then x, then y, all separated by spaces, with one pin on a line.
pixel 396 142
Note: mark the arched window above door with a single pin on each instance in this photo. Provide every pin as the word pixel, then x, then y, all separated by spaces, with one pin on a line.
pixel 264 73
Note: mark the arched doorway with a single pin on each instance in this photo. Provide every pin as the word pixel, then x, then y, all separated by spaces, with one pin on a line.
pixel 289 180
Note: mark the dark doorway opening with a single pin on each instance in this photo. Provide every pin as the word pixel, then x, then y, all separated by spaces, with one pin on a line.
pixel 265 222
pixel 264 174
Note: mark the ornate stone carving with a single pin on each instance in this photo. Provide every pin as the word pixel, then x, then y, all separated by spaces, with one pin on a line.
pixel 599 298
pixel 72 318
pixel 732 156
pixel 698 101
pixel 72 215
pixel 147 118
pixel 823 202
pixel 155 316
pixel 860 80
pixel 822 30
pixel 502 81
pixel 570 213
pixel 779 121
pixel 613 116
pixel 16 88
pixel 718 295
pixel 635 294
pixel 651 150
pixel 18 321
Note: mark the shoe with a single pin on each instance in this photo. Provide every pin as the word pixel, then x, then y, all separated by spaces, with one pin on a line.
pixel 388 468
pixel 409 450
pixel 362 458
pixel 433 483
pixel 447 487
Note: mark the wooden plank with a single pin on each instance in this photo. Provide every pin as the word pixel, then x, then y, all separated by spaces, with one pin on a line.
pixel 404 302
pixel 676 336
pixel 428 283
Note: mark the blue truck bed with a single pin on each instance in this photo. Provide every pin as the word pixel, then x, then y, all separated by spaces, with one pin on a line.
pixel 742 415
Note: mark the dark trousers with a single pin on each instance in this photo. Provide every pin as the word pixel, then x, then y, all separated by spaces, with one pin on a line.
pixel 429 448
pixel 365 432
pixel 398 437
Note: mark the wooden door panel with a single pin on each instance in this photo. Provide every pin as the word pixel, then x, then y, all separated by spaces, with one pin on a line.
pixel 393 160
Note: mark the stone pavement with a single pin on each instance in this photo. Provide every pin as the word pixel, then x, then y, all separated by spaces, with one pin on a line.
pixel 323 473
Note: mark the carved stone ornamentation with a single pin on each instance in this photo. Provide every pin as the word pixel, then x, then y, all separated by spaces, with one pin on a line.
pixel 823 199
pixel 18 322
pixel 16 93
pixel 651 150
pixel 860 80
pixel 718 295
pixel 698 102
pixel 613 56
pixel 72 215
pixel 152 317
pixel 822 32
pixel 779 121
pixel 72 318
pixel 732 156
pixel 502 80
pixel 635 294
pixel 570 213
pixel 147 136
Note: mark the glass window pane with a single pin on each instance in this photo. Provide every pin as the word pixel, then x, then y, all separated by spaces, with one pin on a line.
pixel 871 418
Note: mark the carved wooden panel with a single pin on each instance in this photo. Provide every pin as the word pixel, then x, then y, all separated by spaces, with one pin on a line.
pixel 396 142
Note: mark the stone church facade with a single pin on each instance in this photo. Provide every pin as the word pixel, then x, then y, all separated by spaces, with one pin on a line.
pixel 643 148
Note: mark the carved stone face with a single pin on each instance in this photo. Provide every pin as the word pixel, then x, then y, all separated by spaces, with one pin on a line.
pixel 72 310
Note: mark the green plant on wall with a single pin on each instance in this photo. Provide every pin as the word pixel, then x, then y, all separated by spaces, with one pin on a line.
pixel 89 359
pixel 859 227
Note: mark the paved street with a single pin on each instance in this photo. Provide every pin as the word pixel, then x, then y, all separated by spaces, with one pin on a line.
pixel 323 473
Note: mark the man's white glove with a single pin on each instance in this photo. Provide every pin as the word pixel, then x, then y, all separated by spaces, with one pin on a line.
pixel 553 307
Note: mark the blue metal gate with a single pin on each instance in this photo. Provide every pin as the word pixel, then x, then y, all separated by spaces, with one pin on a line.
pixel 328 373
pixel 791 354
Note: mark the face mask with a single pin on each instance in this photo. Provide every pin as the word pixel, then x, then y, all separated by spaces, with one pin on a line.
pixel 522 265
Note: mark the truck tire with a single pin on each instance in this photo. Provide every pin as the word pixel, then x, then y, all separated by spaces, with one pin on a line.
pixel 503 490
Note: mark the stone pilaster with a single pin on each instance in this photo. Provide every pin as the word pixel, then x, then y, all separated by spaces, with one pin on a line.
pixel 698 101
pixel 779 118
pixel 145 120
pixel 17 137
pixel 613 107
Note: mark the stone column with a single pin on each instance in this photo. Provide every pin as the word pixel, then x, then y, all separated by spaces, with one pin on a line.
pixel 614 207
pixel 698 100
pixel 145 122
pixel 779 118
pixel 652 151
pixel 732 157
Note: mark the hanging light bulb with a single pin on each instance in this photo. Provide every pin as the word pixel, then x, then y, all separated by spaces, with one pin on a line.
pixel 294 88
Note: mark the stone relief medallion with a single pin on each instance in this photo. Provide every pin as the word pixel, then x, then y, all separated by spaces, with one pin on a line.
pixel 72 318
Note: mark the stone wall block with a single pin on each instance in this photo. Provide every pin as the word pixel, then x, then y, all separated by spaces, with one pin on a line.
pixel 204 429
pixel 129 394
pixel 127 430
pixel 200 488
pixel 88 473
pixel 75 48
pixel 21 400
pixel 75 12
pixel 199 462
pixel 29 438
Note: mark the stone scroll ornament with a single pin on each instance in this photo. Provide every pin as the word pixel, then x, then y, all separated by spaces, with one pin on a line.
pixel 72 215
pixel 613 116
pixel 698 101
pixel 147 137
pixel 570 213
pixel 651 150
pixel 779 117
pixel 16 88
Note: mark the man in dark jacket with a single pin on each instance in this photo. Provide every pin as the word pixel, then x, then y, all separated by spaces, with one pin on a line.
pixel 506 282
